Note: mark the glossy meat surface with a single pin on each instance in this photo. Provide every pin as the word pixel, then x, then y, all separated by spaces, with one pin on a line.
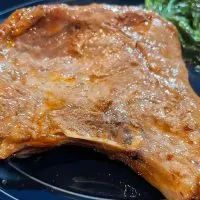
pixel 109 77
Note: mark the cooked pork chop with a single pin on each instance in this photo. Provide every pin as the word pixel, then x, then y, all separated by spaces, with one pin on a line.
pixel 108 77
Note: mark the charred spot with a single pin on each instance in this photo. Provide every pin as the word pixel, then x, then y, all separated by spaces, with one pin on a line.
pixel 181 194
pixel 173 177
pixel 76 26
pixel 170 157
pixel 116 124
pixel 134 63
pixel 187 128
pixel 103 105
pixel 135 156
pixel 190 142
pixel 74 29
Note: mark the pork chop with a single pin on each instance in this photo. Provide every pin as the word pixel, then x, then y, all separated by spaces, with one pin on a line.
pixel 108 77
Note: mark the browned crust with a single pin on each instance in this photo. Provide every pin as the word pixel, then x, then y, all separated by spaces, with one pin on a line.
pixel 13 27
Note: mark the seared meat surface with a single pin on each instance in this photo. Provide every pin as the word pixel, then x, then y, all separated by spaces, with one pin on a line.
pixel 108 77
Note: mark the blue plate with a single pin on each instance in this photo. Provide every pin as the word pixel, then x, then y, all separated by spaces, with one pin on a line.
pixel 69 172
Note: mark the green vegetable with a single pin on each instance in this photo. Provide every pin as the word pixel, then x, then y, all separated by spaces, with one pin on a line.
pixel 185 14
